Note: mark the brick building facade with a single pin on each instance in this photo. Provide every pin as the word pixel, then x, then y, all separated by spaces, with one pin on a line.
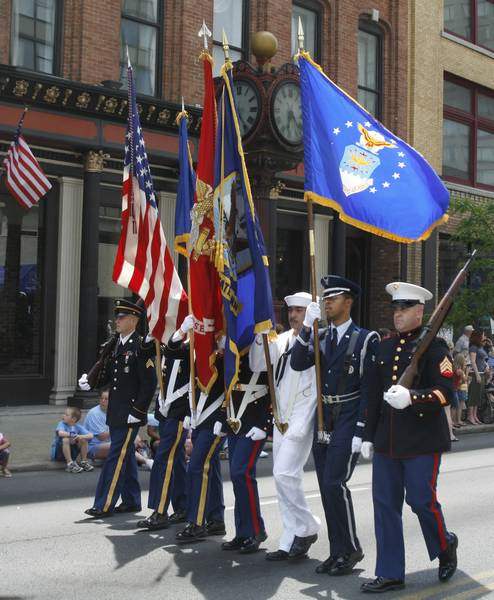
pixel 68 75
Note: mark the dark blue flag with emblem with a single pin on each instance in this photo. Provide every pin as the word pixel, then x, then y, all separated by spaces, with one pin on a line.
pixel 240 255
pixel 353 164
pixel 186 186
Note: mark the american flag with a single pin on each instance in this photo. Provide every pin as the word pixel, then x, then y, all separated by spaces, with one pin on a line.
pixel 24 177
pixel 143 262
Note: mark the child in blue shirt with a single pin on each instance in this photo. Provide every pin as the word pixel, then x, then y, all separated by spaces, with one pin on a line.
pixel 71 441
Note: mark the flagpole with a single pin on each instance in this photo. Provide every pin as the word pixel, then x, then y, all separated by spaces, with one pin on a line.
pixel 322 435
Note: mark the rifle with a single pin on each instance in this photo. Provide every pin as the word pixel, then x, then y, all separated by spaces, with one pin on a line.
pixel 429 331
pixel 98 369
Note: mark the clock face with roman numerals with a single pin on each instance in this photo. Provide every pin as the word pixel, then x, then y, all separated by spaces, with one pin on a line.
pixel 287 112
pixel 248 105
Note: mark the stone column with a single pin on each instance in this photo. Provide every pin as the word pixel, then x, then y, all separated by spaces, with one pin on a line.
pixel 68 282
pixel 88 307
pixel 338 255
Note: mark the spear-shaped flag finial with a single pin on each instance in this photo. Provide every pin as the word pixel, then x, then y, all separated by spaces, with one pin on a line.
pixel 226 47
pixel 204 32
pixel 300 35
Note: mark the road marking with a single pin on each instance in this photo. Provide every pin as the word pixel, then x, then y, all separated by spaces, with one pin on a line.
pixel 455 583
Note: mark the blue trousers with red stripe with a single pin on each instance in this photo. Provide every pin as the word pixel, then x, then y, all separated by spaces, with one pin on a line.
pixel 167 481
pixel 413 480
pixel 243 454
pixel 118 476
pixel 204 485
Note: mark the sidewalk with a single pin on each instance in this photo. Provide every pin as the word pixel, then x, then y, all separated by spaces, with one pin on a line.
pixel 30 429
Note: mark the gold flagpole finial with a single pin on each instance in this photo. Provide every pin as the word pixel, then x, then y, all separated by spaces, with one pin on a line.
pixel 300 35
pixel 204 32
pixel 226 47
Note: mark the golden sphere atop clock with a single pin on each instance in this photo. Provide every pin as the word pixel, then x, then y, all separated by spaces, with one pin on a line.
pixel 264 46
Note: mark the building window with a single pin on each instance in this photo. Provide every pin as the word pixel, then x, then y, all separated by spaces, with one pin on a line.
pixel 370 68
pixel 310 23
pixel 34 34
pixel 229 15
pixel 472 20
pixel 140 31
pixel 468 134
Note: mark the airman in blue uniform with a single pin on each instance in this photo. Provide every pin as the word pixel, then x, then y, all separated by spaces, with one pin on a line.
pixel 346 352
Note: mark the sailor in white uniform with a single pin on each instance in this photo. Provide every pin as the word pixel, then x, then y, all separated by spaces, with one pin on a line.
pixel 296 405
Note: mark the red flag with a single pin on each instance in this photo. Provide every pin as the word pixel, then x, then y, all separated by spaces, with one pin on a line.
pixel 204 283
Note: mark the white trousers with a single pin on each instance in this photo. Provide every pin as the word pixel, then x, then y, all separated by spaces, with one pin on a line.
pixel 289 458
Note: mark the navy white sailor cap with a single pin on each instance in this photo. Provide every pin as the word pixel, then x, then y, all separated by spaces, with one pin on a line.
pixel 302 299
pixel 335 285
pixel 407 294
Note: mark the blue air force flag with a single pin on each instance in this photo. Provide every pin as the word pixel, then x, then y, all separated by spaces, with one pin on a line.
pixel 186 188
pixel 355 165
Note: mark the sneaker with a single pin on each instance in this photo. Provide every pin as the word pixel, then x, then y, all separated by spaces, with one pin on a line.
pixel 5 472
pixel 73 467
pixel 149 463
pixel 263 454
pixel 86 466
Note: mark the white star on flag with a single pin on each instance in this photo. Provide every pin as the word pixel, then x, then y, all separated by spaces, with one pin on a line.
pixel 401 154
pixel 401 165
pixel 349 123
pixel 367 124
pixel 336 130
pixel 386 184
pixel 396 175
pixel 372 190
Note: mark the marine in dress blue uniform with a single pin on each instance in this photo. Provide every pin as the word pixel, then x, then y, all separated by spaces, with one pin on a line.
pixel 130 374
pixel 407 431
pixel 346 352
pixel 205 513
pixel 248 424
pixel 167 480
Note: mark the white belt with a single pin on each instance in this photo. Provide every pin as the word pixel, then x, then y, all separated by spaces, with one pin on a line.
pixel 203 413
pixel 165 406
pixel 252 391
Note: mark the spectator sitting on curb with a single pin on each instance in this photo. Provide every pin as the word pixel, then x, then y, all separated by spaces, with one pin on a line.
pixel 4 456
pixel 143 454
pixel 153 433
pixel 95 423
pixel 71 441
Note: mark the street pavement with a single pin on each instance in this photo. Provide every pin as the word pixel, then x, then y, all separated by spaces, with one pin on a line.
pixel 49 550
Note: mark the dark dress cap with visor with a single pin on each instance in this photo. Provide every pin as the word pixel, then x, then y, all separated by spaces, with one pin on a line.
pixel 124 308
pixel 335 285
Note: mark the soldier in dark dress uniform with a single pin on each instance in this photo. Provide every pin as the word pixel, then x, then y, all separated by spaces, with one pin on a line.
pixel 167 481
pixel 407 431
pixel 131 376
pixel 346 352
pixel 248 424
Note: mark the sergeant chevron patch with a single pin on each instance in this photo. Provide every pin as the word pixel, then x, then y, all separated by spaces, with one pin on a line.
pixel 446 367
pixel 149 363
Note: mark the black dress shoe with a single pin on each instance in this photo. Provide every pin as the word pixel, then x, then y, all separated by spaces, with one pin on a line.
pixel 381 585
pixel 251 544
pixel 154 522
pixel 215 528
pixel 234 544
pixel 327 565
pixel 301 546
pixel 448 560
pixel 192 533
pixel 98 514
pixel 177 517
pixel 127 508
pixel 343 565
pixel 277 556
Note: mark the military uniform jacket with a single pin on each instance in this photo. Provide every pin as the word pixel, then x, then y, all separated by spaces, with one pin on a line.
pixel 131 376
pixel 421 428
pixel 332 367
pixel 176 382
pixel 250 402
pixel 209 406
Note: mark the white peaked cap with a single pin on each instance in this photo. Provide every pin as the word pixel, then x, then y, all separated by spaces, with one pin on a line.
pixel 401 291
pixel 302 299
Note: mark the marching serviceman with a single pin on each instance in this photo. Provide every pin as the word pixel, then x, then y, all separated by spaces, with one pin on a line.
pixel 132 378
pixel 407 431
pixel 248 424
pixel 167 481
pixel 346 351
pixel 204 484
pixel 296 404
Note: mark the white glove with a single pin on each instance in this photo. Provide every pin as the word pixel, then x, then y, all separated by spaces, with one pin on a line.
pixel 188 324
pixel 356 444
pixel 312 312
pixel 256 434
pixel 83 384
pixel 187 423
pixel 398 397
pixel 132 420
pixel 218 426
pixel 367 450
